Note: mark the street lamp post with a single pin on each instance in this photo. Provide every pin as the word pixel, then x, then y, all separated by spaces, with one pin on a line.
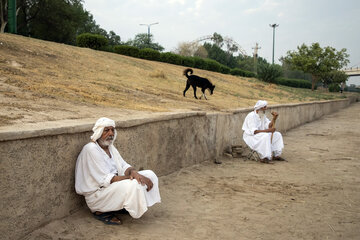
pixel 148 25
pixel 273 26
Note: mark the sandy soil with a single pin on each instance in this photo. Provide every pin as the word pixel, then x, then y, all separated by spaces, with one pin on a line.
pixel 314 195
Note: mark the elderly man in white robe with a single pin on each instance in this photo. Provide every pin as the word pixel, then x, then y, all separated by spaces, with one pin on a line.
pixel 110 184
pixel 260 134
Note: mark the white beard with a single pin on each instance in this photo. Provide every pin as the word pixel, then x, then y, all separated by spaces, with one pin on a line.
pixel 261 114
pixel 106 142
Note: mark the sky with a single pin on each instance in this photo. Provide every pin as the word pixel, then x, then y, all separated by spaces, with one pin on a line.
pixel 334 23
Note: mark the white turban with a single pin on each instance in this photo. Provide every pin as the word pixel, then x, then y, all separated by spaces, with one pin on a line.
pixel 100 124
pixel 260 104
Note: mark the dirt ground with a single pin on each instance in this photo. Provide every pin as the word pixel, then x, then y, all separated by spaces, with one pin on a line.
pixel 314 195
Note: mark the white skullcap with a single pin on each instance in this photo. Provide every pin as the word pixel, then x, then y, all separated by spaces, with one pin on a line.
pixel 260 104
pixel 100 124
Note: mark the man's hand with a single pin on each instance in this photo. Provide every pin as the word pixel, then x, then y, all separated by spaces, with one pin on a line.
pixel 141 179
pixel 275 115
pixel 271 130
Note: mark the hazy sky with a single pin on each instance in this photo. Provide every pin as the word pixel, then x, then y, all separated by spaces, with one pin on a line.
pixel 333 23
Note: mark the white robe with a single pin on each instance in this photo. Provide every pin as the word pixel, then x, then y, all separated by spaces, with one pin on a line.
pixel 93 173
pixel 261 142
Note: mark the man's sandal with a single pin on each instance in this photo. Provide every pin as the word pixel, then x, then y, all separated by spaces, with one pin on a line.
pixel 267 161
pixel 278 159
pixel 107 218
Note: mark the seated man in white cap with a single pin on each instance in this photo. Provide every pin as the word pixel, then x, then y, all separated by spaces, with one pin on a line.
pixel 260 134
pixel 108 183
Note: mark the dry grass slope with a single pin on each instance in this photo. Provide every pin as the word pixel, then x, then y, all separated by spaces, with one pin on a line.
pixel 47 81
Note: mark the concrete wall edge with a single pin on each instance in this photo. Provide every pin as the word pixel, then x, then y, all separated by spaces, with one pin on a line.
pixel 79 128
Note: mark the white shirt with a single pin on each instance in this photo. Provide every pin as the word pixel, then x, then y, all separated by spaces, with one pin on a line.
pixel 253 122
pixel 95 169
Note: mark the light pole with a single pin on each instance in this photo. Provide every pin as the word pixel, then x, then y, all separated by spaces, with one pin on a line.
pixel 148 25
pixel 273 26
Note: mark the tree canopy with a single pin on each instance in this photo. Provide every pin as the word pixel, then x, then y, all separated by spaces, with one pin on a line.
pixel 191 49
pixel 55 20
pixel 317 61
pixel 143 40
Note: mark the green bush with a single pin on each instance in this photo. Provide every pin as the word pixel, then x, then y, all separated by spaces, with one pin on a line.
pixel 237 72
pixel 269 73
pixel 93 41
pixel 107 48
pixel 334 87
pixel 250 74
pixel 172 58
pixel 199 62
pixel 242 73
pixel 212 65
pixel 224 69
pixel 149 54
pixel 296 83
pixel 188 61
pixel 127 50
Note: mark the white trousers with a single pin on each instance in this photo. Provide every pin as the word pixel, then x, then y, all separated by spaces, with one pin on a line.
pixel 262 144
pixel 128 194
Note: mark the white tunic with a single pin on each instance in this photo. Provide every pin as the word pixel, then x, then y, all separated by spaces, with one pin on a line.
pixel 261 142
pixel 93 173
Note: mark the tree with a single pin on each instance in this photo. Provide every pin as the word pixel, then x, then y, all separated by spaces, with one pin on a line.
pixel 3 15
pixel 218 40
pixel 113 39
pixel 248 63
pixel 269 72
pixel 54 20
pixel 201 52
pixel 316 60
pixel 295 73
pixel 219 55
pixel 142 40
pixel 191 49
pixel 334 77
pixel 230 46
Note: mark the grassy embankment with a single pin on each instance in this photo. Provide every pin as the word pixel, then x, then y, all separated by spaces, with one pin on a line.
pixel 35 72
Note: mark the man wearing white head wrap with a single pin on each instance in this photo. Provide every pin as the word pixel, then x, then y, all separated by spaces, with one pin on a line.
pixel 110 184
pixel 257 133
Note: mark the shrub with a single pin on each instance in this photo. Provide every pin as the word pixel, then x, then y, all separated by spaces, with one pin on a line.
pixel 212 65
pixel 127 50
pixel 242 73
pixel 93 41
pixel 199 62
pixel 172 58
pixel 149 54
pixel 296 83
pixel 269 73
pixel 237 72
pixel 224 69
pixel 107 48
pixel 334 87
pixel 188 61
pixel 249 74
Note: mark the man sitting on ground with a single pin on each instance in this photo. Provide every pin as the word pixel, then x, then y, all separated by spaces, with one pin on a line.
pixel 260 134
pixel 108 183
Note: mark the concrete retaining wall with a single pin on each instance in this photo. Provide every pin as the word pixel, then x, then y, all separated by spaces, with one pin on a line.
pixel 37 167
